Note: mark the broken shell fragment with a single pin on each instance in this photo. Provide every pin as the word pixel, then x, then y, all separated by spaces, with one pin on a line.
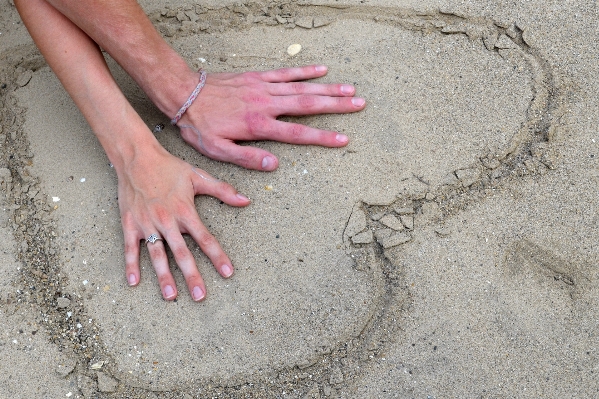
pixel 97 366
pixel 294 49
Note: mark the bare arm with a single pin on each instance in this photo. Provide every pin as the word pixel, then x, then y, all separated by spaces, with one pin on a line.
pixel 231 107
pixel 156 189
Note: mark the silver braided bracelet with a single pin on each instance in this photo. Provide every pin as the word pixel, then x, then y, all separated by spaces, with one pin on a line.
pixel 191 98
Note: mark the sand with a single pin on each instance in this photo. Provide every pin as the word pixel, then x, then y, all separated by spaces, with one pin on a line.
pixel 447 251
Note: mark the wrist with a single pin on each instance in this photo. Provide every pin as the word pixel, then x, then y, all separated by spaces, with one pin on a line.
pixel 129 145
pixel 170 86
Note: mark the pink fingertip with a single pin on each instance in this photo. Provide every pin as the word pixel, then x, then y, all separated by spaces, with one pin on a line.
pixel 347 89
pixel 320 68
pixel 132 280
pixel 169 292
pixel 358 102
pixel 269 162
pixel 242 197
pixel 226 270
pixel 198 294
pixel 341 138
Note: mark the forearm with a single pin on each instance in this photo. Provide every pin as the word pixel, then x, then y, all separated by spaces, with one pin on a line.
pixel 79 65
pixel 122 29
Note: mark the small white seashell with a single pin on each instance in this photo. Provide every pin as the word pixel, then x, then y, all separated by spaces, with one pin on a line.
pixel 202 60
pixel 82 179
pixel 97 366
pixel 294 49
pixel 55 199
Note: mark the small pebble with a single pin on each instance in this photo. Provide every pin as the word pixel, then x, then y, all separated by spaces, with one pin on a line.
pixel 304 22
pixel 443 231
pixel 406 210
pixel 294 49
pixel 363 238
pixel 395 240
pixel 408 221
pixel 55 199
pixel 82 179
pixel 392 222
pixel 62 303
pixel 24 78
pixel 97 366
pixel 377 216
pixel 356 223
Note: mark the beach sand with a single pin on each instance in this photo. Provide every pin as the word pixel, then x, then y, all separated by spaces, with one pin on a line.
pixel 448 251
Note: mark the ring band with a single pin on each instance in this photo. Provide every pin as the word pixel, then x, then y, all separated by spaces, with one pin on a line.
pixel 153 238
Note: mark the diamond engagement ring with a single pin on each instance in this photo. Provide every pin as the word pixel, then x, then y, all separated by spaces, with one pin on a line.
pixel 153 238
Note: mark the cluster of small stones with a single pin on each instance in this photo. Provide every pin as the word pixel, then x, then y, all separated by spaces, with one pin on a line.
pixel 192 19
pixel 389 227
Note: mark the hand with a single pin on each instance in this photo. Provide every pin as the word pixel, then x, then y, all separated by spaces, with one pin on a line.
pixel 156 196
pixel 240 107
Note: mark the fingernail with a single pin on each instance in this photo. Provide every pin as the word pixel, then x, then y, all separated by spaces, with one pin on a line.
pixel 357 101
pixel 342 138
pixel 226 270
pixel 168 291
pixel 132 279
pixel 268 162
pixel 242 197
pixel 320 68
pixel 347 89
pixel 197 294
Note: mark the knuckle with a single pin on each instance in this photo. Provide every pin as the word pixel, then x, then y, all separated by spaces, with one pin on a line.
pixel 181 253
pixel 184 212
pixel 207 240
pixel 297 131
pixel 156 251
pixel 161 215
pixel 298 88
pixel 306 101
pixel 131 247
pixel 255 123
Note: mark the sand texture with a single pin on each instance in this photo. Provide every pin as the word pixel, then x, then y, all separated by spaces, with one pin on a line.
pixel 448 251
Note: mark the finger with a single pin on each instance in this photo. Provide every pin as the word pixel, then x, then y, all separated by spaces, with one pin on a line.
pixel 160 263
pixel 295 133
pixel 244 156
pixel 132 272
pixel 187 264
pixel 307 104
pixel 335 90
pixel 204 184
pixel 209 245
pixel 293 74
